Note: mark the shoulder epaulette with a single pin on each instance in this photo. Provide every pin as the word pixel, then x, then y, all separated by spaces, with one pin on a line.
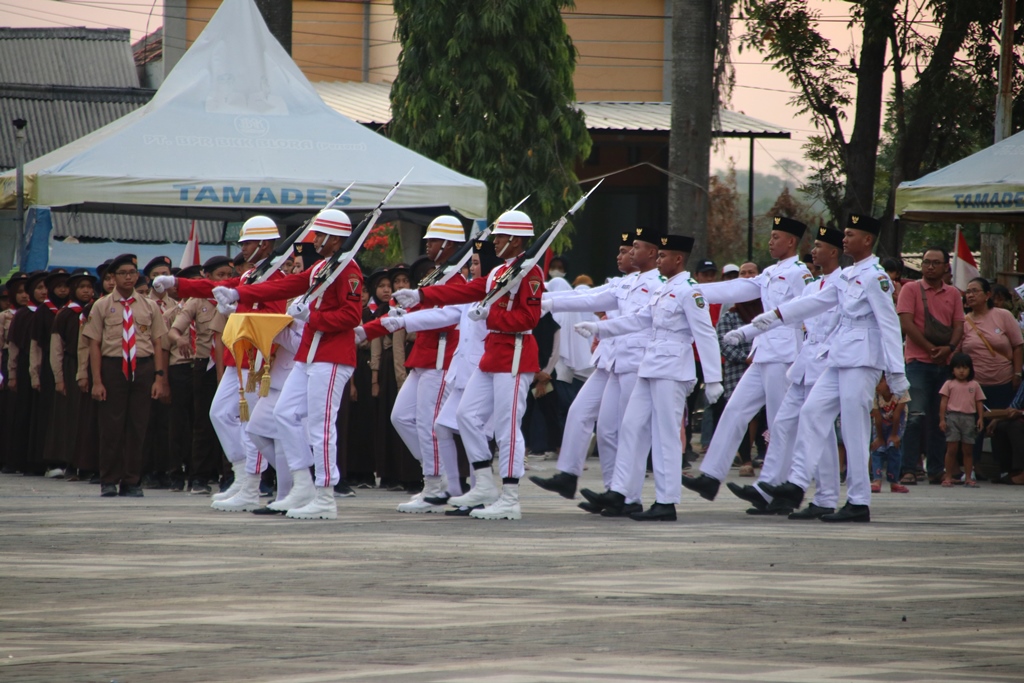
pixel 879 267
pixel 691 282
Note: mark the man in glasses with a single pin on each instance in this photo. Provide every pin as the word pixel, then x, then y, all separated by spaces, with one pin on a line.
pixel 932 319
pixel 129 367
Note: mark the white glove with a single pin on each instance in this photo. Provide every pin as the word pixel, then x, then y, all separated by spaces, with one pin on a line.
pixel 226 295
pixel 396 311
pixel 299 310
pixel 406 298
pixel 161 283
pixel 585 329
pixel 733 338
pixel 545 306
pixel 391 324
pixel 478 313
pixel 898 383
pixel 226 310
pixel 360 334
pixel 766 321
pixel 713 391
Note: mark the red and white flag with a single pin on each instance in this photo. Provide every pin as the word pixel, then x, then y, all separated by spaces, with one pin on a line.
pixel 190 257
pixel 965 268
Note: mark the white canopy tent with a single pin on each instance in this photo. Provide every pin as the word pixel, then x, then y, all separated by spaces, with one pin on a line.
pixel 236 128
pixel 987 186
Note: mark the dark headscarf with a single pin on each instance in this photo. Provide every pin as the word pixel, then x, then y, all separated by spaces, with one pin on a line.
pixel 378 308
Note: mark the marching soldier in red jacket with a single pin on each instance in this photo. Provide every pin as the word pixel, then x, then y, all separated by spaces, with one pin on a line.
pixel 324 362
pixel 498 388
pixel 426 388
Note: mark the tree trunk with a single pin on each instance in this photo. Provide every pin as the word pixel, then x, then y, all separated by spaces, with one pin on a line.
pixel 862 150
pixel 278 15
pixel 692 104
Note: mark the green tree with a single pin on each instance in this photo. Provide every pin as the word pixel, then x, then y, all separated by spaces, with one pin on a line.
pixel 485 87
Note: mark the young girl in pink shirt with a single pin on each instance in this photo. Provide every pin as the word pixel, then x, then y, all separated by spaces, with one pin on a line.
pixel 960 418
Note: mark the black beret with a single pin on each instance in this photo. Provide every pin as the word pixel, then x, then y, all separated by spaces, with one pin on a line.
pixel 55 276
pixel 857 221
pixel 16 278
pixel 79 274
pixel 790 225
pixel 830 235
pixel 676 243
pixel 215 262
pixel 626 239
pixel 101 269
pixel 123 260
pixel 190 273
pixel 649 235
pixel 156 263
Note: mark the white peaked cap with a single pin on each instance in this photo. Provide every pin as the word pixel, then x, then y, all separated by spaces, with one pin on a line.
pixel 515 224
pixel 446 228
pixel 332 222
pixel 259 228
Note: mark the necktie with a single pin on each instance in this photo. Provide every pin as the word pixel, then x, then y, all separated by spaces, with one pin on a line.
pixel 128 340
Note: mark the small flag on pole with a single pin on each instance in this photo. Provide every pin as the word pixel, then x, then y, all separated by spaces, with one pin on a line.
pixel 190 257
pixel 965 268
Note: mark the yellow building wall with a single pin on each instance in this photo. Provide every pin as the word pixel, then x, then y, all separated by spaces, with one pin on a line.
pixel 620 44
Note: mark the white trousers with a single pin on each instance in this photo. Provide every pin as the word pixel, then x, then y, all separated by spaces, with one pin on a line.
pixel 778 461
pixel 763 384
pixel 226 421
pixel 446 426
pixel 313 391
pixel 848 393
pixel 579 424
pixel 501 396
pixel 265 433
pixel 417 406
pixel 614 401
pixel 653 421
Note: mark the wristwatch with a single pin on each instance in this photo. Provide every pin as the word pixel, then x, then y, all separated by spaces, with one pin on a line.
pixel 159 373
pixel 952 348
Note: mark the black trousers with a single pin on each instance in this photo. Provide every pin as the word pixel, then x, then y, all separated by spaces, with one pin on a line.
pixel 206 450
pixel 182 416
pixel 123 419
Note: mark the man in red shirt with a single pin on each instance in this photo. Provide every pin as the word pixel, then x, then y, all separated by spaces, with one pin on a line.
pixel 324 363
pixel 425 388
pixel 498 388
pixel 927 351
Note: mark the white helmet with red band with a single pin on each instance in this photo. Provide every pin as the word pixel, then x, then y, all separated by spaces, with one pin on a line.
pixel 514 224
pixel 445 228
pixel 332 222
pixel 259 228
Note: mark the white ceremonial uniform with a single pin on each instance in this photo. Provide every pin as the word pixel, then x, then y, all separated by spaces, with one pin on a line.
pixel 583 411
pixel 804 372
pixel 425 392
pixel 677 317
pixel 227 423
pixel 865 343
pixel 265 432
pixel 630 296
pixel 764 383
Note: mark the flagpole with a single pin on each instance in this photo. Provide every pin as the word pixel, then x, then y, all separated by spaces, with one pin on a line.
pixel 956 255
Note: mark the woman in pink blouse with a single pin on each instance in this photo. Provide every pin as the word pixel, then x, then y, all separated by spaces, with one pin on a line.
pixel 992 338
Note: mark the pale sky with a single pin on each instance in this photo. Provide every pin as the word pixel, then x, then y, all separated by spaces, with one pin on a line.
pixel 760 91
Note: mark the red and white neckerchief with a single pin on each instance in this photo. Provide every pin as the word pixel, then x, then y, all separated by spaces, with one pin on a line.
pixel 128 339
pixel 50 305
pixel 74 306
pixel 161 304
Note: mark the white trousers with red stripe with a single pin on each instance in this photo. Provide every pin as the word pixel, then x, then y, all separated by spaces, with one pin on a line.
pixel 265 433
pixel 501 396
pixel 417 406
pixel 226 421
pixel 313 391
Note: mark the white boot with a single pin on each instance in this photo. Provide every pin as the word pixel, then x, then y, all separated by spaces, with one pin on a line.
pixel 484 492
pixel 301 494
pixel 432 487
pixel 323 506
pixel 247 498
pixel 507 506
pixel 239 469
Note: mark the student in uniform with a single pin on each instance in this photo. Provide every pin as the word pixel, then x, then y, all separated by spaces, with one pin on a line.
pixel 129 368
pixel 19 299
pixel 160 460
pixel 87 449
pixel 64 365
pixel 41 375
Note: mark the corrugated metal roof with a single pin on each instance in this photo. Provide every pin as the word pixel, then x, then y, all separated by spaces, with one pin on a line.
pixel 67 56
pixel 369 103
pixel 53 123
pixel 125 228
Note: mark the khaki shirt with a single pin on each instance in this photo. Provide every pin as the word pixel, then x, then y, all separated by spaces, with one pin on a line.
pixel 105 325
pixel 203 313
pixel 165 304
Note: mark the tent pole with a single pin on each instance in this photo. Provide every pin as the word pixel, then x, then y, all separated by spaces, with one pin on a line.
pixel 750 204
pixel 19 183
